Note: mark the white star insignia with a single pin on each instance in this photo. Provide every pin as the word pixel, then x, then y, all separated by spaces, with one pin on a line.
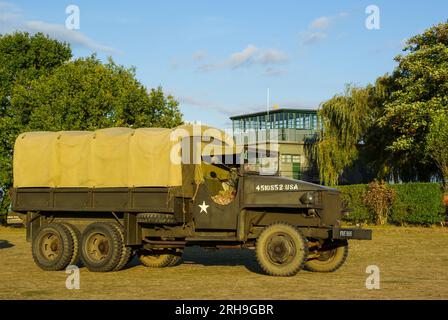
pixel 203 207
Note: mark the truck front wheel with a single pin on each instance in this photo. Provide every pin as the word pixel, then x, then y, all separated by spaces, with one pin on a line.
pixel 281 250
pixel 328 260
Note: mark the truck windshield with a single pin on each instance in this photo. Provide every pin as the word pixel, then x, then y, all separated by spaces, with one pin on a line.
pixel 250 161
pixel 262 162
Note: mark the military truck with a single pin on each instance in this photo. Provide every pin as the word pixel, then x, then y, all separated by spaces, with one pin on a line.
pixel 101 197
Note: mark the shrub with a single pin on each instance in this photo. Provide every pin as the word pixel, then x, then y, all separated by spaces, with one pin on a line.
pixel 380 198
pixel 418 203
pixel 415 203
pixel 352 196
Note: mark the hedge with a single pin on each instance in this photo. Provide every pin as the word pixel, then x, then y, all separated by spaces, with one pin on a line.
pixel 416 204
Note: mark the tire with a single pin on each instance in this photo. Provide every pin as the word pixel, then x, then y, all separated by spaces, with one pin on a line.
pixel 101 247
pixel 156 218
pixel 281 250
pixel 52 247
pixel 155 260
pixel 177 258
pixel 329 260
pixel 126 252
pixel 76 236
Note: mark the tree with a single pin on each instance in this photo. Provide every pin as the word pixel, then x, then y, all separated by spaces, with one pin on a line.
pixel 22 58
pixel 421 81
pixel 344 124
pixel 42 89
pixel 85 94
pixel 349 129
pixel 385 125
pixel 437 144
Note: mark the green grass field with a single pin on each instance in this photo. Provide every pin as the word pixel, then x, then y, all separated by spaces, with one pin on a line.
pixel 413 264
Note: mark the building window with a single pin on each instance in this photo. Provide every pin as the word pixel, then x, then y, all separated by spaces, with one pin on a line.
pixel 286 158
pixel 290 158
pixel 314 127
pixel 290 120
pixel 307 125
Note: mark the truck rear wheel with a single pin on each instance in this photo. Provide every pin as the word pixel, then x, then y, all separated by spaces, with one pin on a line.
pixel 328 260
pixel 153 259
pixel 101 247
pixel 76 236
pixel 126 251
pixel 281 250
pixel 52 247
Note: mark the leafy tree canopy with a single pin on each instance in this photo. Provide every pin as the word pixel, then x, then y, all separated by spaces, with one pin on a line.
pixel 86 94
pixel 43 88
pixel 387 124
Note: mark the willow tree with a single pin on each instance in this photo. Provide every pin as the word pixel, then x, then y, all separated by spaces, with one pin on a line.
pixel 347 119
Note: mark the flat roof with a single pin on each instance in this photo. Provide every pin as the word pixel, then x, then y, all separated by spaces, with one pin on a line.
pixel 281 110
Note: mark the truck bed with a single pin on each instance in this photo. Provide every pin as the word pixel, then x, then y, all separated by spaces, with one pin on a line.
pixel 150 199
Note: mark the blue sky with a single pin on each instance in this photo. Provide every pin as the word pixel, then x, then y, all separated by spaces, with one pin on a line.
pixel 219 58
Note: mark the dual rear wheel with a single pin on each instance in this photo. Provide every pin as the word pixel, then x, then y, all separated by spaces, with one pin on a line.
pixel 53 247
pixel 101 247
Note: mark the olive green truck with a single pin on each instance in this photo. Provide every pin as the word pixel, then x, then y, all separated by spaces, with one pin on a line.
pixel 99 198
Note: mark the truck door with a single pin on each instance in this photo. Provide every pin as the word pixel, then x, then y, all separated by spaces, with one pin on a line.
pixel 216 204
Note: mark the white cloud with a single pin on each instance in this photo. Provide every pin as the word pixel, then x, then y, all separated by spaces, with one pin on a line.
pixel 243 58
pixel 310 38
pixel 321 23
pixel 12 19
pixel 60 32
pixel 318 29
pixel 199 55
pixel 273 56
pixel 8 6
pixel 250 55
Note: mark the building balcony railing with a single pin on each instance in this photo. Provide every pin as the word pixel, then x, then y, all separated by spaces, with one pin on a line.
pixel 283 135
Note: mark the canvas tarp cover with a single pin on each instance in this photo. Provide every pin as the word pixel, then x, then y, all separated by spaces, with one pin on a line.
pixel 114 157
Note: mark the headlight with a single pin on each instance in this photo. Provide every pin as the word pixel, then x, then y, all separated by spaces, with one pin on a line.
pixel 307 198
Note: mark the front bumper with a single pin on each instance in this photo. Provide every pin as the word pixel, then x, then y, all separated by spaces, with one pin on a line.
pixel 351 233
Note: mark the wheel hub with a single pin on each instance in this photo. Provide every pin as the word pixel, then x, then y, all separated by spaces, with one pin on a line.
pixel 98 246
pixel 281 249
pixel 326 255
pixel 50 246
